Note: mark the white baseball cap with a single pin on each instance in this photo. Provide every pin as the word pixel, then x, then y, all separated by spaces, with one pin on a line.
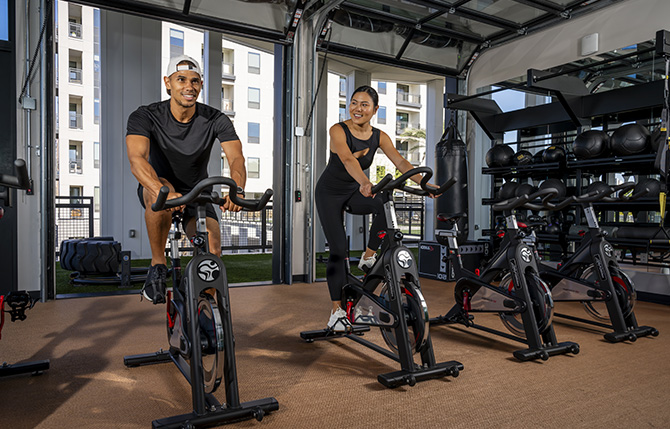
pixel 174 65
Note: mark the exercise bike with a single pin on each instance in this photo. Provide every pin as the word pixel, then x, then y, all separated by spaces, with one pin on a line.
pixel 389 297
pixel 199 326
pixel 17 301
pixel 591 275
pixel 525 301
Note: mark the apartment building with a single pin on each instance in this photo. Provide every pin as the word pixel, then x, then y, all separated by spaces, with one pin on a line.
pixel 77 72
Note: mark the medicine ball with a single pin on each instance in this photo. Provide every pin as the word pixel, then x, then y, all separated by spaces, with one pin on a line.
pixel 653 185
pixel 556 184
pixel 499 155
pixel 553 227
pixel 630 139
pixel 507 190
pixel 598 186
pixel 524 189
pixel 523 157
pixel 537 158
pixel 590 144
pixel 553 154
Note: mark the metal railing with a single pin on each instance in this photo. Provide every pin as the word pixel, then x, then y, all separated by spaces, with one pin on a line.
pixel 227 105
pixel 407 99
pixel 242 232
pixel 75 75
pixel 401 126
pixel 76 121
pixel 227 70
pixel 74 30
pixel 74 219
pixel 410 216
pixel 76 166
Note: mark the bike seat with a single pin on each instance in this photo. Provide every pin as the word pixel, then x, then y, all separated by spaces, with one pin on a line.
pixel 451 217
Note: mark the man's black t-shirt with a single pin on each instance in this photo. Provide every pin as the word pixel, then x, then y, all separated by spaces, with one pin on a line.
pixel 179 152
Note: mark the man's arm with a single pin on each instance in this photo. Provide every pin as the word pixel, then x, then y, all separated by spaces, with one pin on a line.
pixel 138 154
pixel 238 171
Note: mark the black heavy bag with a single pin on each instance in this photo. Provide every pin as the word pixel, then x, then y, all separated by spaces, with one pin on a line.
pixel 451 161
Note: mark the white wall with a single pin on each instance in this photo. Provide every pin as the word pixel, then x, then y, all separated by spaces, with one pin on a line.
pixel 618 25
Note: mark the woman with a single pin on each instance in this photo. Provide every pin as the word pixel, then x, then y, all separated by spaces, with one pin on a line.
pixel 353 144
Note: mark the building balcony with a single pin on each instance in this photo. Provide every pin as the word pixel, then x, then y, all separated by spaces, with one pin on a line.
pixel 228 71
pixel 75 75
pixel 74 30
pixel 408 100
pixel 76 121
pixel 401 126
pixel 227 106
pixel 75 166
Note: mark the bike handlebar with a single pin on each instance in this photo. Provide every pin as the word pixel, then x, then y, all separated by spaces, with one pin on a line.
pixel 197 194
pixel 593 196
pixel 597 195
pixel 388 183
pixel 524 199
pixel 20 180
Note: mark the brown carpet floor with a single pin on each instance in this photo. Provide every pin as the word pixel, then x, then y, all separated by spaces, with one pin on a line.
pixel 328 384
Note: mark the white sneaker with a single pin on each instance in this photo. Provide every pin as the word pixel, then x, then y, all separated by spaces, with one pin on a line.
pixel 338 321
pixel 365 264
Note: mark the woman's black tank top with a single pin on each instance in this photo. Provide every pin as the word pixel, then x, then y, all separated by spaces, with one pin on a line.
pixel 335 168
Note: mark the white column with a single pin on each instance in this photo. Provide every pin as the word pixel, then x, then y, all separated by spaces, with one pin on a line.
pixel 434 130
pixel 131 77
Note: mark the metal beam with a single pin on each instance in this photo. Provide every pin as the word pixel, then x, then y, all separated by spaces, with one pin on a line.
pixel 470 14
pixel 542 5
pixel 375 57
pixel 200 21
pixel 396 19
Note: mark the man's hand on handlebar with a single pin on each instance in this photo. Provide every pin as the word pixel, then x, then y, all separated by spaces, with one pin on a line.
pixel 171 196
pixel 228 205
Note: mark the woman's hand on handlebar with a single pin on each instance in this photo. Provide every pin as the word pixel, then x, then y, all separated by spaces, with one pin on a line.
pixel 366 189
pixel 435 187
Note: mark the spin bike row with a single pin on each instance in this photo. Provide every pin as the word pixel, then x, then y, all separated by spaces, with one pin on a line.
pixel 515 284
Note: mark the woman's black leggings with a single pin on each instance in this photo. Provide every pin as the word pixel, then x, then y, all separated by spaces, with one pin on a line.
pixel 330 203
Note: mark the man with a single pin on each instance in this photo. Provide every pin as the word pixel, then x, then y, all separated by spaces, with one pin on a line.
pixel 169 144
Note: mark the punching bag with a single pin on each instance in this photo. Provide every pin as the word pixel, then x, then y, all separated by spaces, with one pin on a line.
pixel 451 161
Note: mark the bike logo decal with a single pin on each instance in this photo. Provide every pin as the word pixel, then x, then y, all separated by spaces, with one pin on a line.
pixel 609 251
pixel 526 254
pixel 208 270
pixel 404 259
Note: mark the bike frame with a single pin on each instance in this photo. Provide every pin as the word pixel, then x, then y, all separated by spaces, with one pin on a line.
pixel 395 266
pixel 205 274
pixel 516 257
pixel 594 249
pixel 388 268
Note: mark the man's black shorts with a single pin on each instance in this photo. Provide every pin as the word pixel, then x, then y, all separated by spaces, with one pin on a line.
pixel 189 211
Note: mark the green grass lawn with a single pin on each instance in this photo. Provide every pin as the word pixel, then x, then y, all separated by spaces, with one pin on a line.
pixel 253 267
pixel 240 268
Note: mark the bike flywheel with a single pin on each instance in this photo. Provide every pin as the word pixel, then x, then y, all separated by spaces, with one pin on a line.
pixel 212 341
pixel 415 314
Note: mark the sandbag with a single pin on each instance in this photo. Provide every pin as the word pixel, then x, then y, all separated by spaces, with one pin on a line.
pixel 451 161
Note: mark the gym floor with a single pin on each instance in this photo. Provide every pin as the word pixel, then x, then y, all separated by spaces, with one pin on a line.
pixel 328 384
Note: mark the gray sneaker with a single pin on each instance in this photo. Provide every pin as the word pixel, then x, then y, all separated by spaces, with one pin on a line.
pixel 154 286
